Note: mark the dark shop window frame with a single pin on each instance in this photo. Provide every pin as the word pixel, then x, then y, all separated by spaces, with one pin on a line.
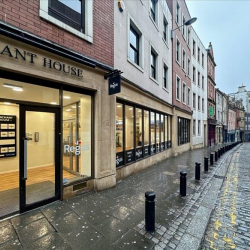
pixel 168 144
pixel 183 129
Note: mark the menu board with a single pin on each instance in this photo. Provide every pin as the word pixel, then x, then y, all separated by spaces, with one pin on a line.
pixel 7 136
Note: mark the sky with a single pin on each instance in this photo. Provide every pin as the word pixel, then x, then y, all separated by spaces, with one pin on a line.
pixel 225 23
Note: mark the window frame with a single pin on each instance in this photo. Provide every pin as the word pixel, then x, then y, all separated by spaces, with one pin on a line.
pixel 165 31
pixel 179 92
pixel 179 54
pixel 165 78
pixel 183 130
pixel 184 60
pixel 137 44
pixel 184 88
pixel 153 12
pixel 155 67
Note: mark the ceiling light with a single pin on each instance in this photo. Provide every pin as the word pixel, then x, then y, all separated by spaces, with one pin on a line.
pixel 74 107
pixel 53 103
pixel 66 97
pixel 14 87
pixel 68 110
pixel 118 106
pixel 130 109
pixel 7 103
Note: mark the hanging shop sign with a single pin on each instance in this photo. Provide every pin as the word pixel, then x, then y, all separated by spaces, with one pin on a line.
pixel 114 81
pixel 7 136
pixel 31 58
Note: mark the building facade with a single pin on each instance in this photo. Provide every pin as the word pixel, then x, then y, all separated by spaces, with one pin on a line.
pixel 181 76
pixel 225 116
pixel 211 95
pixel 240 120
pixel 219 117
pixel 199 91
pixel 144 127
pixel 56 116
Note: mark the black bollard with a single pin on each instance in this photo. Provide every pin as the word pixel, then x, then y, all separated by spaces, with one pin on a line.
pixel 197 171
pixel 183 183
pixel 150 211
pixel 212 159
pixel 219 153
pixel 205 163
pixel 216 154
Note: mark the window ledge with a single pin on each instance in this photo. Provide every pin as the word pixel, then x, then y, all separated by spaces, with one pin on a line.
pixel 156 26
pixel 166 43
pixel 178 100
pixel 178 62
pixel 64 26
pixel 165 89
pixel 135 65
pixel 155 81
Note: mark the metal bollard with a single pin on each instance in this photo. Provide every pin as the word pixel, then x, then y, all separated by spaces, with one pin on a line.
pixel 183 183
pixel 197 171
pixel 216 155
pixel 212 159
pixel 205 163
pixel 150 211
pixel 219 153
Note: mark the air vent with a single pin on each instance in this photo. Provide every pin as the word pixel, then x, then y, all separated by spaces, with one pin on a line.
pixel 79 186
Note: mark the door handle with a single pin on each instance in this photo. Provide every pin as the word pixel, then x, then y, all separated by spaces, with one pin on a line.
pixel 25 142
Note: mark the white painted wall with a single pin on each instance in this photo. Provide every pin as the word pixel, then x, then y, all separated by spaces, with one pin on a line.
pixel 199 91
pixel 152 34
pixel 219 100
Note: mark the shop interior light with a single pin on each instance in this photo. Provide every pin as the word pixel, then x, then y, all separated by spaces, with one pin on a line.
pixel 53 103
pixel 119 106
pixel 66 97
pixel 7 103
pixel 68 110
pixel 14 87
pixel 74 107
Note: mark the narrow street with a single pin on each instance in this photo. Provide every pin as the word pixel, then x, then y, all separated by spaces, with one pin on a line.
pixel 229 226
pixel 114 219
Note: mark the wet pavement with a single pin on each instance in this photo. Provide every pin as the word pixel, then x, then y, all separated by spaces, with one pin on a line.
pixel 114 219
pixel 229 226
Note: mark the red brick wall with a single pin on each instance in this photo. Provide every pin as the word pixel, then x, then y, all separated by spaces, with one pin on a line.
pixel 177 69
pixel 24 14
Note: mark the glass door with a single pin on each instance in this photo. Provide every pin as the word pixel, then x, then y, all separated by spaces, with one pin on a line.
pixel 39 156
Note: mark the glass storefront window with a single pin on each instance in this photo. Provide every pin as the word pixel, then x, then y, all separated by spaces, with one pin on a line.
pixel 162 132
pixel 119 127
pixel 183 131
pixel 169 130
pixel 166 128
pixel 146 127
pixel 152 132
pixel 157 127
pixel 138 132
pixel 76 136
pixel 129 127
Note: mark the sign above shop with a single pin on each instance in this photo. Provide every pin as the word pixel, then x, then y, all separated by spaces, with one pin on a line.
pixel 114 81
pixel 32 58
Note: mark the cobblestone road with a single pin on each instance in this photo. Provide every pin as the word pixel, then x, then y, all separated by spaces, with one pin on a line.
pixel 229 226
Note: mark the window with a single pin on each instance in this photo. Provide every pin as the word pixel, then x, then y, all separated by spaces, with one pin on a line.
pixel 188 67
pixel 165 29
pixel 139 132
pixel 188 37
pixel 153 9
pixel 199 75
pixel 194 127
pixel 199 101
pixel 177 13
pixel 202 105
pixel 188 97
pixel 165 77
pixel 194 48
pixel 183 131
pixel 202 60
pixel 178 47
pixel 199 127
pixel 134 46
pixel 202 82
pixel 153 64
pixel 194 101
pixel 184 60
pixel 194 74
pixel 183 27
pixel 184 93
pixel 71 13
pixel 198 56
pixel 178 88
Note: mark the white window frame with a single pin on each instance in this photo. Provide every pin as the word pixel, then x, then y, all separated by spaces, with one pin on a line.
pixel 152 48
pixel 199 103
pixel 184 28
pixel 167 31
pixel 178 13
pixel 179 62
pixel 194 75
pixel 188 37
pixel 87 35
pixel 198 78
pixel 194 127
pixel 188 67
pixel 188 96
pixel 131 22
pixel 179 88
pixel 194 101
pixel 199 127
pixel 185 62
pixel 194 48
pixel 156 21
pixel 167 80
pixel 202 104
pixel 184 92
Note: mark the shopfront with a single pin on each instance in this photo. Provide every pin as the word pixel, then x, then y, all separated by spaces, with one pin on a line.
pixel 51 122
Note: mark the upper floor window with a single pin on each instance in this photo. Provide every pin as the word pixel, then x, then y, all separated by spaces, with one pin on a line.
pixel 178 87
pixel 183 27
pixel 199 76
pixel 202 105
pixel 194 74
pixel 178 47
pixel 198 56
pixel 202 60
pixel 71 12
pixel 153 64
pixel 188 67
pixel 194 101
pixel 134 46
pixel 153 9
pixel 188 97
pixel 199 101
pixel 165 29
pixel 194 47
pixel 188 37
pixel 165 76
pixel 184 93
pixel 184 60
pixel 202 82
pixel 177 13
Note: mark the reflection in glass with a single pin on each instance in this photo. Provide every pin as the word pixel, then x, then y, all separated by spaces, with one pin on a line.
pixel 146 127
pixel 166 128
pixel 157 131
pixel 169 128
pixel 73 4
pixel 119 127
pixel 138 133
pixel 129 127
pixel 152 127
pixel 162 128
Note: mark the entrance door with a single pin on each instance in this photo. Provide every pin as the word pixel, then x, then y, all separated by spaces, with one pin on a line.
pixel 39 156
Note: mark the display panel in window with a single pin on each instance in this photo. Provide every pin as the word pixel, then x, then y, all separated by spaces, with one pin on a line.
pixel 71 12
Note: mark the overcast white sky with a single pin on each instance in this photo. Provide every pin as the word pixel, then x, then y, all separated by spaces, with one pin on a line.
pixel 225 23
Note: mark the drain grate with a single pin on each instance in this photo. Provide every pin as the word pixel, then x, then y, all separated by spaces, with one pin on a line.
pixel 219 177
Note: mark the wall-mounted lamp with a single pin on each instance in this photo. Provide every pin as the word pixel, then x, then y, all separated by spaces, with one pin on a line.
pixel 187 23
